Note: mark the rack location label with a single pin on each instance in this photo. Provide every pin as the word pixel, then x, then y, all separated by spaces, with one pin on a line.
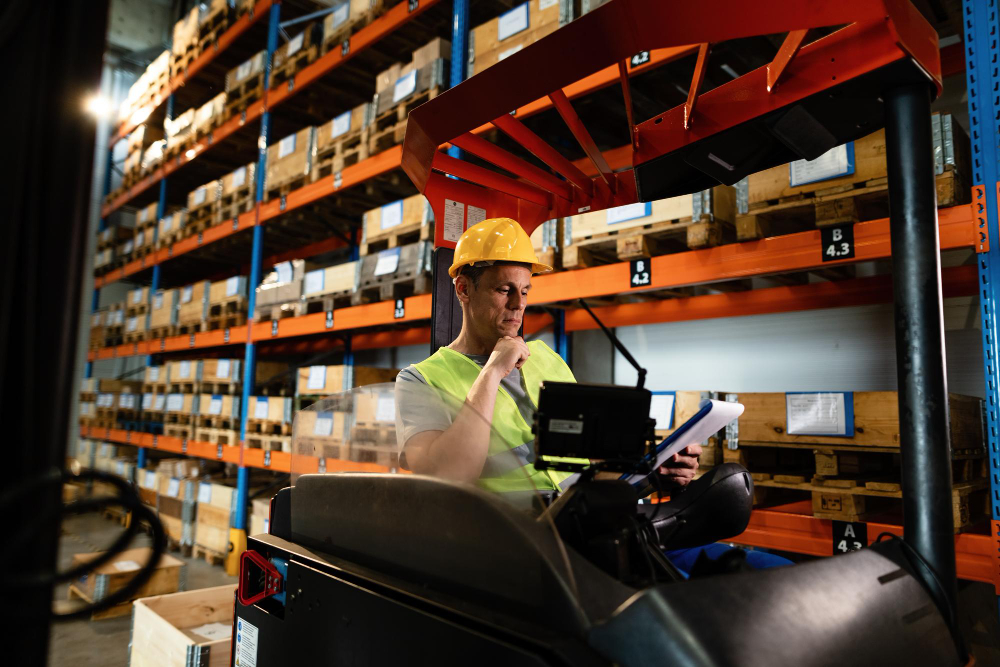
pixel 838 242
pixel 849 536
pixel 640 273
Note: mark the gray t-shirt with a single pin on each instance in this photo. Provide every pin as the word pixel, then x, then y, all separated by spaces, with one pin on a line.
pixel 421 409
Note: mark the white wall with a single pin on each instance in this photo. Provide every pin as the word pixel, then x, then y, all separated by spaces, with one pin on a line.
pixel 839 349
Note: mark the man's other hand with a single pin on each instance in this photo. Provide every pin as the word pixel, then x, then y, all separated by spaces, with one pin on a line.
pixel 509 353
pixel 681 467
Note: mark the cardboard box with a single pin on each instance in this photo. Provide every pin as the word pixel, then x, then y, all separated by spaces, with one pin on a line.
pixel 342 125
pixel 270 408
pixel 291 158
pixel 163 311
pixel 180 404
pixel 209 113
pixel 298 45
pixel 336 379
pixel 433 50
pixel 193 302
pixel 411 81
pixel 721 205
pixel 239 179
pixel 387 77
pixel 113 575
pixel 399 216
pixel 155 375
pixel 178 128
pixel 136 297
pixel 172 223
pixel 375 407
pixel 143 136
pixel 283 283
pixel 153 156
pixel 331 280
pixel 186 32
pixel 507 34
pixel 168 629
pixel 346 14
pixel 246 70
pixel 228 289
pixel 319 433
pixel 205 195
pixel 218 405
pixel 185 370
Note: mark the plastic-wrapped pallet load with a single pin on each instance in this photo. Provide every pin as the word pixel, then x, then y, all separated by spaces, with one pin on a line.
pixel 168 629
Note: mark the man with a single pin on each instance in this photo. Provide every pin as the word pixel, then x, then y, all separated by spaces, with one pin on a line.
pixel 488 440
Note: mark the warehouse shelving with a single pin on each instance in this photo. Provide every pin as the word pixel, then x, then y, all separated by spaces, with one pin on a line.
pixel 790 528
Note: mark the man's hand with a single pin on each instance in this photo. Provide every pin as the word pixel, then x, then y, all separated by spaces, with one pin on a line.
pixel 681 467
pixel 509 353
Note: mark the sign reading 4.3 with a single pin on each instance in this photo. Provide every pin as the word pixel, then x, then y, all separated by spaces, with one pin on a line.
pixel 849 536
pixel 838 242
pixel 641 273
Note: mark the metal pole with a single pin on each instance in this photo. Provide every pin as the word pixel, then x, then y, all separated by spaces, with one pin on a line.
pixel 459 51
pixel 920 359
pixel 238 533
pixel 562 340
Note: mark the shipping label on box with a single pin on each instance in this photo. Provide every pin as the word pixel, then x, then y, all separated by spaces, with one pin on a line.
pixel 834 163
pixel 313 282
pixel 341 124
pixel 819 413
pixel 223 368
pixel 317 377
pixel 512 22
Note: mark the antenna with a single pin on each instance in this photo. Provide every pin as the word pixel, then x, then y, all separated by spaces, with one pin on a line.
pixel 618 345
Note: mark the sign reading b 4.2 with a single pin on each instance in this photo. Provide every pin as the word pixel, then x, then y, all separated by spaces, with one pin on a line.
pixel 640 273
pixel 838 242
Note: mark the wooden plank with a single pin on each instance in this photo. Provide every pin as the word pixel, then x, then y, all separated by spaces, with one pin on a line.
pixel 162 627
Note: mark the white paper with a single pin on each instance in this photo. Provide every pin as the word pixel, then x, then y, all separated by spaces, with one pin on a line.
pixel 545 4
pixel 135 296
pixel 204 492
pixel 168 223
pixel 126 565
pixel 260 411
pixel 223 368
pixel 133 324
pixel 340 124
pixel 159 402
pixel 243 71
pixel 405 85
pixel 286 146
pixel 830 164
pixel 153 373
pixel 246 644
pixel 284 271
pixel 454 220
pixel 186 293
pixel 512 22
pixel 661 408
pixel 341 13
pixel 120 468
pixel 317 377
pixel 127 401
pixel 129 245
pixel 295 44
pixel 239 177
pixel 503 55
pixel 324 424
pixel 215 405
pixel 199 196
pixel 173 487
pixel 628 212
pixel 476 215
pixel 815 414
pixel 158 301
pixel 213 631
pixel 385 409
pixel 149 480
pixel 185 369
pixel 392 215
pixel 313 282
pixel 387 262
pixel 232 286
pixel 175 402
pixel 147 401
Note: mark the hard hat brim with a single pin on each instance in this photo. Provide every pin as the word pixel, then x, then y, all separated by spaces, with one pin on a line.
pixel 536 268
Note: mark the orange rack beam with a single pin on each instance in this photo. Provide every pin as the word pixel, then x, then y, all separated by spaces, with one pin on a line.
pixel 792 528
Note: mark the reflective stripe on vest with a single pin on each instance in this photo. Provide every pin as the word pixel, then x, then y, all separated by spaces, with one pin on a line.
pixel 454 373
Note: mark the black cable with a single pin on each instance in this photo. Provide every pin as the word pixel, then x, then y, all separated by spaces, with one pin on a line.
pixel 13 578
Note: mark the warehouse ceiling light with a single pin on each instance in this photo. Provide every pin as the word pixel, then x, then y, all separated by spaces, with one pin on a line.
pixel 98 106
pixel 140 115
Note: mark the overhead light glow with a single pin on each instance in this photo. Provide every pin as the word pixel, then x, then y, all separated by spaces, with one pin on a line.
pixel 140 115
pixel 98 106
pixel 190 153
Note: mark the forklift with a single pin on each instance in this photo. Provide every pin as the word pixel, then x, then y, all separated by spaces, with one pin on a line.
pixel 388 567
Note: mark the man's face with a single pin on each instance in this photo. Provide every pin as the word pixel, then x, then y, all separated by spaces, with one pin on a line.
pixel 497 304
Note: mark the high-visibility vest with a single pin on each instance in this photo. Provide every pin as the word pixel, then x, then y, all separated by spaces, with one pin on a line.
pixel 454 373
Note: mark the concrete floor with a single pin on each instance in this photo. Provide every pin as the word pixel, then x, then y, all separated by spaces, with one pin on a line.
pixel 86 643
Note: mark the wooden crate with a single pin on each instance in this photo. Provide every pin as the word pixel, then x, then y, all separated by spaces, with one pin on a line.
pixel 325 380
pixel 876 421
pixel 289 162
pixel 510 32
pixel 412 274
pixel 184 375
pixel 295 54
pixel 397 223
pixel 179 405
pixel 336 279
pixel 114 575
pixel 192 308
pixel 646 229
pixel 165 629
pixel 270 409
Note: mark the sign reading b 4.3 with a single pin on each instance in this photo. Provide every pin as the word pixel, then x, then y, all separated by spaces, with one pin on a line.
pixel 838 242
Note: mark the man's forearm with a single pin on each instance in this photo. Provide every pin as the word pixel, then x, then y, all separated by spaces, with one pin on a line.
pixel 461 450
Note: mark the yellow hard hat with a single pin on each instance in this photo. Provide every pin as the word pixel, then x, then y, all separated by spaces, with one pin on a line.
pixel 495 240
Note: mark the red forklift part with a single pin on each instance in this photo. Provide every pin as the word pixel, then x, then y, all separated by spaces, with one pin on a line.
pixel 259 579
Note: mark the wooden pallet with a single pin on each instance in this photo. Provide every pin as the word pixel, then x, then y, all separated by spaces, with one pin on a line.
pixel 269 442
pixel 178 417
pixel 845 204
pixel 182 431
pixel 200 219
pixel 211 557
pixel 278 190
pixel 658 238
pixel 135 336
pixel 291 66
pixel 180 62
pixel 179 147
pixel 206 129
pixel 398 236
pixel 278 311
pixel 210 28
pixel 235 203
pixel 217 436
pixel 228 388
pixel 389 128
pixel 327 302
pixel 226 423
pixel 226 321
pixel 187 328
pixel 347 150
pixel 243 95
pixel 162 332
pixel 400 288
pixel 268 427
